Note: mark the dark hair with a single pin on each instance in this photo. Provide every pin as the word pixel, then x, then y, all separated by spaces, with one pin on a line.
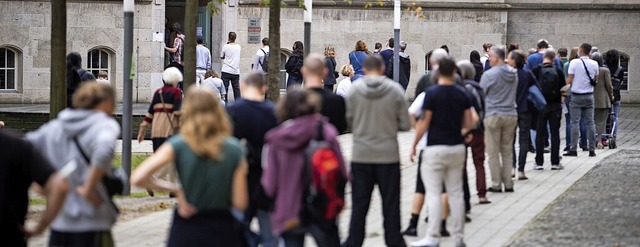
pixel 474 57
pixel 543 44
pixel 562 52
pixel 550 54
pixel 75 60
pixel 519 57
pixel 297 103
pixel 178 30
pixel 612 59
pixel 361 46
pixel 265 41
pixel 199 40
pixel 585 48
pixel 232 36
pixel 298 47
pixel 499 51
pixel 512 47
pixel 596 56
pixel 378 46
pixel 391 42
pixel 373 62
pixel 486 46
pixel 254 80
pixel 447 67
pixel 445 47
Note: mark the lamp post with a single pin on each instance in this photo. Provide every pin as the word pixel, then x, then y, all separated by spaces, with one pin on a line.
pixel 308 4
pixel 396 40
pixel 127 86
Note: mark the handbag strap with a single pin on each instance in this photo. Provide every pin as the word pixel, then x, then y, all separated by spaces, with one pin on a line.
pixel 84 155
pixel 586 69
pixel 165 109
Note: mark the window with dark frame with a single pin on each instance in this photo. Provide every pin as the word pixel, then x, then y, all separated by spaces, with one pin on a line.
pixel 8 63
pixel 98 60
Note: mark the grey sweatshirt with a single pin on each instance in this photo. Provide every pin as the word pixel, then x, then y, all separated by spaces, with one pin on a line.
pixel 376 111
pixel 97 133
pixel 500 85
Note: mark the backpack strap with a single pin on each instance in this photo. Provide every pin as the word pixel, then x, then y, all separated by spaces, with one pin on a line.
pixel 617 71
pixel 320 132
pixel 84 155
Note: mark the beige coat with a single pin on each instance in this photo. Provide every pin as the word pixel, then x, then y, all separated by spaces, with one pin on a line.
pixel 603 91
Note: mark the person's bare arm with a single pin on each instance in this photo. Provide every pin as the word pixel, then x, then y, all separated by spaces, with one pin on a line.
pixel 143 176
pixel 422 126
pixel 569 79
pixel 240 197
pixel 55 190
pixel 468 122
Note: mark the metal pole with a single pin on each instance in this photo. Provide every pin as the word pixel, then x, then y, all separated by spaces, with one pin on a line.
pixel 127 111
pixel 396 40
pixel 308 4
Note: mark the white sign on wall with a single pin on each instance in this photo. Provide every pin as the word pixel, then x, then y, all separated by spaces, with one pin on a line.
pixel 253 30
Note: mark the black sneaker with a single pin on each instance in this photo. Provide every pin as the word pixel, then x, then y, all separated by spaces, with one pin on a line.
pixel 567 149
pixel 411 231
pixel 508 190
pixel 592 153
pixel 495 190
pixel 571 153
pixel 585 149
pixel 444 233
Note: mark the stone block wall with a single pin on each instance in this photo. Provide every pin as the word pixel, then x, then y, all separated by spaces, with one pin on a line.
pixel 27 29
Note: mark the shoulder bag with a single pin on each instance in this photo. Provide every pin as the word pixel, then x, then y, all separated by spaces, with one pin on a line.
pixel 591 80
pixel 174 129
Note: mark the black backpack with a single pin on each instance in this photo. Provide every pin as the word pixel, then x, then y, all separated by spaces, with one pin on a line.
pixel 617 83
pixel 264 64
pixel 548 81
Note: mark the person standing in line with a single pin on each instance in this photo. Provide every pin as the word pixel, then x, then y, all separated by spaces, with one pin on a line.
pixel 345 84
pixel 500 85
pixel 76 75
pixel 214 83
pixel 376 111
pixel 477 64
pixel 203 60
pixel 387 53
pixel 377 48
pixel 205 156
pixel 230 56
pixel 583 73
pixel 243 114
pixel 261 62
pixel 405 67
pixel 178 47
pixel 332 106
pixel 467 73
pixel 85 135
pixel 551 80
pixel 164 117
pixel 20 166
pixel 563 56
pixel 330 61
pixel 485 47
pixel 430 77
pixel 567 101
pixel 612 60
pixel 284 166
pixel 526 79
pixel 603 96
pixel 448 117
pixel 536 59
pixel 356 59
pixel 294 65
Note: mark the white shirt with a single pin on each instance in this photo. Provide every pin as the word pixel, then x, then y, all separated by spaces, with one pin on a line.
pixel 231 58
pixel 416 110
pixel 581 82
pixel 484 59
pixel 343 87
pixel 260 55
pixel 203 58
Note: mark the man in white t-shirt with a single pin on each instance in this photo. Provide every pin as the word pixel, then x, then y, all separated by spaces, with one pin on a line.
pixel 230 56
pixel 261 54
pixel 583 73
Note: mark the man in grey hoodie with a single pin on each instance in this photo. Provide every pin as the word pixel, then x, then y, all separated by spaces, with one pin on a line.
pixel 501 117
pixel 376 111
pixel 88 213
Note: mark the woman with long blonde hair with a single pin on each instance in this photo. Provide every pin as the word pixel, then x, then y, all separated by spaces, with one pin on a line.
pixel 330 63
pixel 212 169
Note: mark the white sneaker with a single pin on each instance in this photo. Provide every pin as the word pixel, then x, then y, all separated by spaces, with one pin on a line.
pixel 538 167
pixel 557 167
pixel 460 243
pixel 426 242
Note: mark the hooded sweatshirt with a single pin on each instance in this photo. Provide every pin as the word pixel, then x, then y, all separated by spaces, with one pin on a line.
pixel 376 111
pixel 405 69
pixel 97 133
pixel 284 163
pixel 500 85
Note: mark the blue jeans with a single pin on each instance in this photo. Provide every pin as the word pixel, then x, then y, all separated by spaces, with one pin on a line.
pixel 582 106
pixel 616 111
pixel 266 237
pixel 293 80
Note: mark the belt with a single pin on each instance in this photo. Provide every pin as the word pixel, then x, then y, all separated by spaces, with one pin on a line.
pixel 582 93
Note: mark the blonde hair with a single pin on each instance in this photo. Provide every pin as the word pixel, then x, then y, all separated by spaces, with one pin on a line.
pixel 211 73
pixel 103 74
pixel 347 70
pixel 91 94
pixel 204 121
pixel 329 51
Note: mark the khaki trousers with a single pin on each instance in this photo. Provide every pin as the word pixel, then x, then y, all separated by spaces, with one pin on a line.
pixel 498 138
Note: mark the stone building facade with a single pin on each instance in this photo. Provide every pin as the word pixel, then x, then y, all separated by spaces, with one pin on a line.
pixel 463 25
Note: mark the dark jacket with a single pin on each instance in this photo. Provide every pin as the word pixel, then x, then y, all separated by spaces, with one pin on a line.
pixel 479 70
pixel 526 79
pixel 561 80
pixel 405 69
pixel 334 108
pixel 330 64
pixel 294 65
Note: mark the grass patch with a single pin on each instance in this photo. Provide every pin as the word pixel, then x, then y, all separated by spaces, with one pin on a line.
pixel 136 160
pixel 37 201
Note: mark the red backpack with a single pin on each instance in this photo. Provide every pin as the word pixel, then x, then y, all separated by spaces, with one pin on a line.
pixel 323 197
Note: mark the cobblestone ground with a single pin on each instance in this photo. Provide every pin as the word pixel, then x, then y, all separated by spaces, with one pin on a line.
pixel 602 208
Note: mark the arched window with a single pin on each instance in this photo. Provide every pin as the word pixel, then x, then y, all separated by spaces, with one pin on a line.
pixel 99 60
pixel 427 65
pixel 624 63
pixel 8 69
pixel 284 56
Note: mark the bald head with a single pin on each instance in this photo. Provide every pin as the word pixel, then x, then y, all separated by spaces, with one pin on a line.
pixel 313 70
